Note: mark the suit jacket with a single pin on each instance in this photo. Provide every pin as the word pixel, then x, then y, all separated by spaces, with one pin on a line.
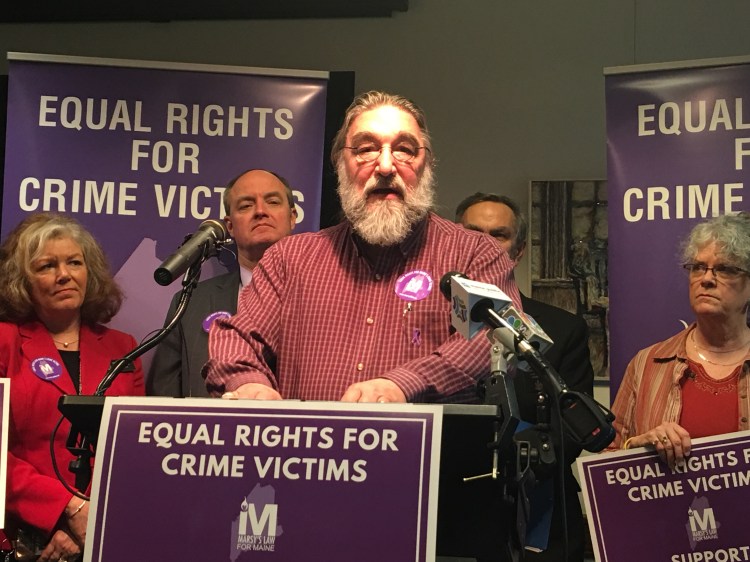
pixel 179 358
pixel 570 357
pixel 35 496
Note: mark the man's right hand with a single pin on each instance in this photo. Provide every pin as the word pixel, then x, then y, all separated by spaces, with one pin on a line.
pixel 252 391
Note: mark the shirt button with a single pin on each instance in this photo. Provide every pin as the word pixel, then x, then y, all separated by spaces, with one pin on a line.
pixel 360 366
pixel 370 321
pixel 378 277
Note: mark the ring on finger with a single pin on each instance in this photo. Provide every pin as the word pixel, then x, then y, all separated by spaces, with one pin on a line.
pixel 665 439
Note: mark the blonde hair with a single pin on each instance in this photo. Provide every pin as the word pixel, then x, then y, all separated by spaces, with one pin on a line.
pixel 26 242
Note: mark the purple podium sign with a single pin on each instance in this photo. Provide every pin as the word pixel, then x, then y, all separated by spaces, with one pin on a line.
pixel 4 411
pixel 638 509
pixel 251 480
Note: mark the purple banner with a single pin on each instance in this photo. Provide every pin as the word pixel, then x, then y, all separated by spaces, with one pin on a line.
pixel 638 509
pixel 678 152
pixel 139 152
pixel 250 480
pixel 4 413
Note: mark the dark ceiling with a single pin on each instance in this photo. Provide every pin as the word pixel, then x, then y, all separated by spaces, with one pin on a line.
pixel 155 11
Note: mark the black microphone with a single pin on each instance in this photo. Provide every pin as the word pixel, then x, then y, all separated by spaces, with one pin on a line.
pixel 588 423
pixel 210 233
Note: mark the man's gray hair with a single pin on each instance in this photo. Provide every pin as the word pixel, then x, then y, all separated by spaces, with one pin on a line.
pixel 372 100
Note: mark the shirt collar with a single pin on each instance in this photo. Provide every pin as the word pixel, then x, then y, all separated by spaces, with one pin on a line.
pixel 246 276
pixel 675 348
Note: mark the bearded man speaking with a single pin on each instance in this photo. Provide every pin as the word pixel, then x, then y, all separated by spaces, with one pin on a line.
pixel 354 312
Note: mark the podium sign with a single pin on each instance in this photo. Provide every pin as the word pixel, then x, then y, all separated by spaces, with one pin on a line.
pixel 223 480
pixel 638 509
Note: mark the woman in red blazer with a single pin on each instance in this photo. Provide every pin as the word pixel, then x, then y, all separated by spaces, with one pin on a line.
pixel 57 292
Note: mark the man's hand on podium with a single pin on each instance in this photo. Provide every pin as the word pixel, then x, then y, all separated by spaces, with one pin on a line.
pixel 375 390
pixel 254 391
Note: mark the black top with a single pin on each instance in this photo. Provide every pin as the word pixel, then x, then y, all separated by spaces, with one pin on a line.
pixel 72 360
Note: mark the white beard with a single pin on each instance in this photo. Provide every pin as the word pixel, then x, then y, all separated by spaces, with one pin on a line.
pixel 385 222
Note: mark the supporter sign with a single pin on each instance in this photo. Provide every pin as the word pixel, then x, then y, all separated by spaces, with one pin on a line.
pixel 253 480
pixel 4 411
pixel 639 509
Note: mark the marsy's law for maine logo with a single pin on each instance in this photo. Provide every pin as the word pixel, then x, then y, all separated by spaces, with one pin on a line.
pixel 257 525
pixel 702 524
pixel 261 526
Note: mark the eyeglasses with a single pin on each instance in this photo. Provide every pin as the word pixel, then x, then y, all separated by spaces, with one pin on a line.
pixel 720 271
pixel 403 153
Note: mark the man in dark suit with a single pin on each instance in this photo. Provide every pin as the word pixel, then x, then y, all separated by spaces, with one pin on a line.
pixel 260 211
pixel 501 218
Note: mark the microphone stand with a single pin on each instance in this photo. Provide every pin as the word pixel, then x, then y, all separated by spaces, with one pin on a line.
pixel 517 456
pixel 499 391
pixel 84 412
pixel 511 460
pixel 586 422
pixel 117 366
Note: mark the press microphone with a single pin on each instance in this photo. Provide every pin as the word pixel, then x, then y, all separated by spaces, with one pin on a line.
pixel 471 302
pixel 475 304
pixel 210 233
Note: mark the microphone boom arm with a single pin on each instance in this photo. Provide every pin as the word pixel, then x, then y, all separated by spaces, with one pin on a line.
pixel 190 280
pixel 586 421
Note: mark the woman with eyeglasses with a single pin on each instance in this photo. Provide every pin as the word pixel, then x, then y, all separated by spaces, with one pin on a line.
pixel 695 384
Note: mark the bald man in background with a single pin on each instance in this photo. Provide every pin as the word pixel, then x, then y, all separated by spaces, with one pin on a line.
pixel 260 211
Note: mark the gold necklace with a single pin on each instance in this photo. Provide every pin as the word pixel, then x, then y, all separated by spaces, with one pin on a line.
pixel 706 359
pixel 65 344
pixel 695 343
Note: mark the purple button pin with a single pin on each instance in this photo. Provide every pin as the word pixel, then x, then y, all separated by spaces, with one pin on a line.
pixel 214 316
pixel 46 368
pixel 414 285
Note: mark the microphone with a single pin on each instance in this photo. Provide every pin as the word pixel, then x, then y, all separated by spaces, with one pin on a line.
pixel 210 233
pixel 470 302
pixel 475 304
pixel 586 421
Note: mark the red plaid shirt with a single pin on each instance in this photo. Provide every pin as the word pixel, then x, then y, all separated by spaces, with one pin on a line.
pixel 319 317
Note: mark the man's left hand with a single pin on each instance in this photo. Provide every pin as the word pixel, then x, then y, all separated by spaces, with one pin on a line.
pixel 375 390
